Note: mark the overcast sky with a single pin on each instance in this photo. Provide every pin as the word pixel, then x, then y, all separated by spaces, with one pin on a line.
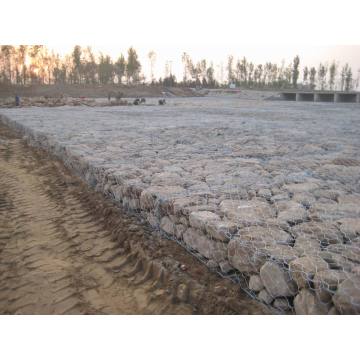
pixel 261 30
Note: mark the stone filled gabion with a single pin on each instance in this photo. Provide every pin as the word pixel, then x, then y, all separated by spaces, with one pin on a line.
pixel 274 196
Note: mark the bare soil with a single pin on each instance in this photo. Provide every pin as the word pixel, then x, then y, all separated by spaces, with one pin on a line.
pixel 64 249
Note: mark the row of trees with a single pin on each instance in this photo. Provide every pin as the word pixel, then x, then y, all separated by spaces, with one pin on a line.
pixel 35 64
pixel 325 77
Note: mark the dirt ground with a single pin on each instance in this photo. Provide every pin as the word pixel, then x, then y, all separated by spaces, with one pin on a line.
pixel 92 91
pixel 66 250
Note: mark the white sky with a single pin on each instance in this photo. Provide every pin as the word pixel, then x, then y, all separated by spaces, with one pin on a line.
pixel 261 30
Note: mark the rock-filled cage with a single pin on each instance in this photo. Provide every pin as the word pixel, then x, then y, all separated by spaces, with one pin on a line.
pixel 269 204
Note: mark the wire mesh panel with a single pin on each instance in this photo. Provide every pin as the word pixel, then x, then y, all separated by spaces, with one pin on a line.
pixel 265 193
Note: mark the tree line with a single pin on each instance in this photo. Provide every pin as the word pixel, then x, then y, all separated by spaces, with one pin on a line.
pixel 35 64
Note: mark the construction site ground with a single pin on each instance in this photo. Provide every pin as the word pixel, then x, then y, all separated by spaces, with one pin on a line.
pixel 65 249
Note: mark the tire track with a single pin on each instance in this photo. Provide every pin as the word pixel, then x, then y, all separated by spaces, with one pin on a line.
pixel 66 250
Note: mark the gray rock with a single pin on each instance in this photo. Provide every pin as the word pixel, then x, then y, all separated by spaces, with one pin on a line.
pixel 305 187
pixel 245 257
pixel 323 232
pixel 210 249
pixel 247 213
pixel 282 304
pixel 199 219
pixel 225 267
pixel 167 225
pixel 350 228
pixel 212 265
pixel 154 194
pixel 152 220
pixel 179 230
pixel 303 269
pixel 304 199
pixel 326 282
pixel 307 245
pixel 305 303
pixel 277 280
pixel 347 296
pixel 291 212
pixel 221 230
pixel 280 197
pixel 249 250
pixel 265 297
pixel 133 204
pixel 333 311
pixel 265 193
pixel 255 283
pixel 281 253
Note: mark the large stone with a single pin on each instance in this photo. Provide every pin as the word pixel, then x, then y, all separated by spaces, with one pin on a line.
pixel 182 203
pixel 129 203
pixel 326 282
pixel 328 210
pixel 265 193
pixel 307 245
pixel 303 269
pixel 347 296
pixel 179 230
pixel 291 212
pixel 324 232
pixel 304 199
pixel 199 219
pixel 208 248
pixel 336 261
pixel 152 220
pixel 225 267
pixel 306 303
pixel 255 283
pixel 249 250
pixel 221 230
pixel 265 236
pixel 265 297
pixel 279 197
pixel 152 195
pixel 282 304
pixel 350 228
pixel 277 281
pixel 167 225
pixel 245 256
pixel 281 253
pixel 247 213
pixel 301 188
pixel 351 199
pixel 167 179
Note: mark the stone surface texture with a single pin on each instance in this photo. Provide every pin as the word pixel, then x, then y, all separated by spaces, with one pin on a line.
pixel 239 181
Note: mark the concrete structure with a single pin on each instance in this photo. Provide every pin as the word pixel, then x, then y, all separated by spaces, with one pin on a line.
pixel 321 96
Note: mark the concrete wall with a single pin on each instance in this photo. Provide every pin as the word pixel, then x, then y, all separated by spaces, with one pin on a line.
pixel 347 97
pixel 325 96
pixel 304 96
pixel 288 96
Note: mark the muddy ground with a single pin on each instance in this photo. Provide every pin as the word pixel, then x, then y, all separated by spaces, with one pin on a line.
pixel 66 250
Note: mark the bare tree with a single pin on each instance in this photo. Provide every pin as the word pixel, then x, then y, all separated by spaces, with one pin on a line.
pixel 312 78
pixel 332 74
pixel 322 71
pixel 152 58
pixel 305 75
pixel 295 71
pixel 133 65
pixel 230 69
